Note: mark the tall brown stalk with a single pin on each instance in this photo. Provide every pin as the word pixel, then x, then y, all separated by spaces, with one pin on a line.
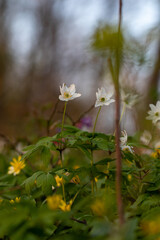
pixel 117 125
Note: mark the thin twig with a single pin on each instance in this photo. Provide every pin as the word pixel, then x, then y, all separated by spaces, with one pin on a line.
pixel 79 221
pixel 9 142
pixel 51 117
pixel 83 114
pixel 80 117
pixel 68 116
pixel 11 189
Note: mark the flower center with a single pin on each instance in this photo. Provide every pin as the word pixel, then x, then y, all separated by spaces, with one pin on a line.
pixel 102 99
pixel 157 114
pixel 67 95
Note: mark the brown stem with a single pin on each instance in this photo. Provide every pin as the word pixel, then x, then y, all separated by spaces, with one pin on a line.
pixel 83 114
pixel 68 116
pixel 118 162
pixel 51 116
pixel 79 221
pixel 10 189
pixel 117 117
pixel 10 143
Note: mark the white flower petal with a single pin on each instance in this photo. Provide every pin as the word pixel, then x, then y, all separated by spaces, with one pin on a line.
pixel 68 93
pixel 103 98
pixel 72 89
pixel 98 104
pixel 62 98
pixel 109 101
pixel 153 108
pixel 76 95
pixel 158 104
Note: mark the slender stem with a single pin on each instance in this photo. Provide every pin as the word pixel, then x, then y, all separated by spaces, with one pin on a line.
pixel 93 180
pixel 123 110
pixel 63 189
pixel 96 120
pixel 118 151
pixel 64 112
pixel 51 116
pixel 83 114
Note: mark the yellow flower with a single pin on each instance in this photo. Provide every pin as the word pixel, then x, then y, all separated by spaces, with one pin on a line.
pixel 54 201
pixel 129 177
pixel 1 200
pixel 76 167
pixel 156 153
pixel 16 166
pixel 64 206
pixel 18 199
pixel 128 162
pixel 96 179
pixel 75 179
pixel 151 227
pixel 59 180
pixel 106 171
pixel 98 207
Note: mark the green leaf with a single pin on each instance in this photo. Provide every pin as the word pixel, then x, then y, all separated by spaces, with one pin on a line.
pixel 46 181
pixel 70 129
pixel 85 151
pixel 45 155
pixel 104 161
pixel 130 229
pixel 29 182
pixel 103 144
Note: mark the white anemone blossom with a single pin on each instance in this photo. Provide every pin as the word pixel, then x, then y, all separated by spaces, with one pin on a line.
pixel 124 137
pixel 103 98
pixel 129 98
pixel 123 142
pixel 154 113
pixel 68 93
pixel 146 137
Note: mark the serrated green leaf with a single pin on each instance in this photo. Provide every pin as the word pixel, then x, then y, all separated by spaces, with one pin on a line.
pixel 103 144
pixel 45 155
pixel 104 161
pixel 85 151
pixel 29 182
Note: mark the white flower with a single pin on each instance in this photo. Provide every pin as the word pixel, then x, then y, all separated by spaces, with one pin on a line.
pixel 103 98
pixel 129 99
pixel 127 148
pixel 124 137
pixel 158 124
pixel 68 93
pixel 146 137
pixel 123 142
pixel 154 113
pixel 157 145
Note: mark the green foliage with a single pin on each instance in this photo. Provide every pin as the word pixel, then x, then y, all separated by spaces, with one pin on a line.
pixel 80 167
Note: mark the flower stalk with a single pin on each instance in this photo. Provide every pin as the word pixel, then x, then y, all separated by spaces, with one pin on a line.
pixel 96 120
pixel 64 112
pixel 122 113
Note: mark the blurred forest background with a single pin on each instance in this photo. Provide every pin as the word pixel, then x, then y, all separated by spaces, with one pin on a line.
pixel 44 43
